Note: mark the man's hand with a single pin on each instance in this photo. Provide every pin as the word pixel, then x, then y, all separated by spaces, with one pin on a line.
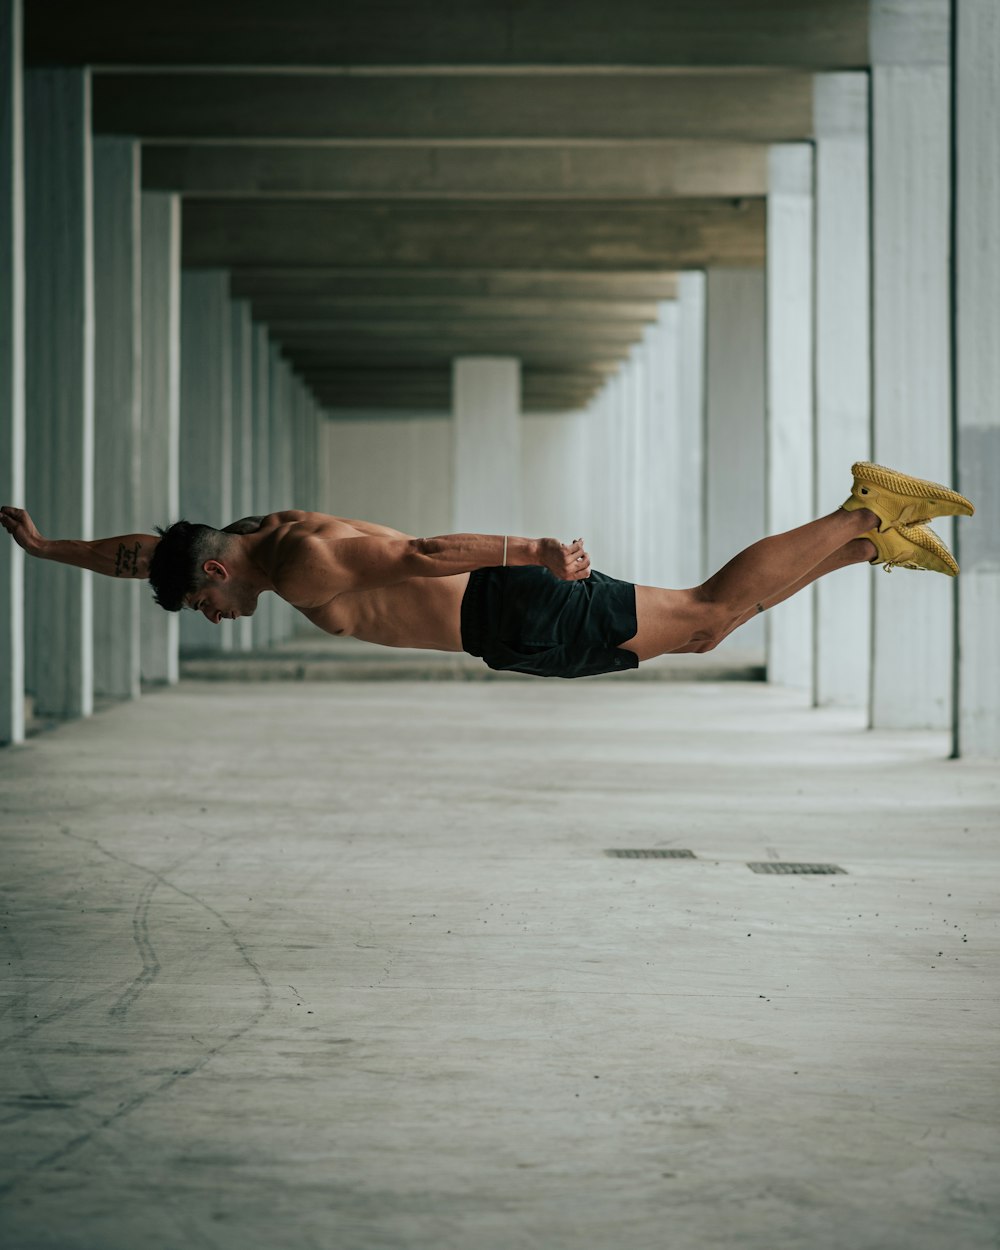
pixel 568 561
pixel 127 555
pixel 21 528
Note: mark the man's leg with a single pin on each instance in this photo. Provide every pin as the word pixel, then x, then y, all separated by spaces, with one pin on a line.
pixel 854 552
pixel 762 575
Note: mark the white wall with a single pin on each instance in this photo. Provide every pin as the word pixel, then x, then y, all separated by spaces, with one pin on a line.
pixel 554 476
pixel 394 470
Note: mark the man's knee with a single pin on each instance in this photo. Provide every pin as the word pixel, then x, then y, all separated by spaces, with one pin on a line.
pixel 712 622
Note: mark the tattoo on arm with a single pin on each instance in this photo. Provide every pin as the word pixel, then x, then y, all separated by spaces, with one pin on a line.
pixel 127 560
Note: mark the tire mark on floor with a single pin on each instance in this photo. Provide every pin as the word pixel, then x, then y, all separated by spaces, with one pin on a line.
pixel 142 1098
pixel 147 953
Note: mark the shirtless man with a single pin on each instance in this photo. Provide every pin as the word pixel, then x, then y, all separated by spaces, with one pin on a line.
pixel 529 605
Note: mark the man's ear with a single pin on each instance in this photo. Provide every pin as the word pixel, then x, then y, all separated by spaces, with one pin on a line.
pixel 218 572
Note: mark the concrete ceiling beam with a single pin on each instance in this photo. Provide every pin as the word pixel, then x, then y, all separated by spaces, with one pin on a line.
pixel 504 172
pixel 414 356
pixel 303 352
pixel 486 108
pixel 348 408
pixel 437 375
pixel 473 332
pixel 671 235
pixel 301 285
pixel 816 34
pixel 471 308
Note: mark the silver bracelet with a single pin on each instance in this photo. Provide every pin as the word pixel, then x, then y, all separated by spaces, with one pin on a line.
pixel 505 551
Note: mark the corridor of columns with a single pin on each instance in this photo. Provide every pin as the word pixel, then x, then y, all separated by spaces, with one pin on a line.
pixel 311 943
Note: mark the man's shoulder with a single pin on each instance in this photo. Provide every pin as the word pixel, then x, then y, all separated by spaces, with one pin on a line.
pixel 304 566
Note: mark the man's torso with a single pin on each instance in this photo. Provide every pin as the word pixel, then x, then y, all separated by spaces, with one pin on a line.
pixel 419 612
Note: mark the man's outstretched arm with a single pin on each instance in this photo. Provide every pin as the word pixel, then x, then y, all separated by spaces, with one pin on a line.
pixel 311 569
pixel 127 555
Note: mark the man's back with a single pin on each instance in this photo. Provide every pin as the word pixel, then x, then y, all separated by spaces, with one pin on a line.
pixel 303 551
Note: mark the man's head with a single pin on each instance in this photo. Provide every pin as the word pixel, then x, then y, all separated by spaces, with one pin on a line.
pixel 196 566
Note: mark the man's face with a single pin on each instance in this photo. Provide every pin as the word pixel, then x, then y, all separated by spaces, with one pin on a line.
pixel 222 598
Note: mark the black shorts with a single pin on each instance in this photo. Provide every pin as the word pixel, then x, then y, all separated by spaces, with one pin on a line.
pixel 526 620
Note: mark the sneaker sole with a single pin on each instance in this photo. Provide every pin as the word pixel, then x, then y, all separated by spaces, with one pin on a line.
pixel 895 483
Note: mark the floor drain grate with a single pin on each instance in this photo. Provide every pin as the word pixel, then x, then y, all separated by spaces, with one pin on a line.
pixel 651 853
pixel 774 866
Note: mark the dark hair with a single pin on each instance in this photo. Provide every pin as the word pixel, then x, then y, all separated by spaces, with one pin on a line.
pixel 175 569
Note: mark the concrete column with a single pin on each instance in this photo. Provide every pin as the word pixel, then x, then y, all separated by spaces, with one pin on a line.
pixel 282 497
pixel 842 371
pixel 117 399
pixel 241 354
pixel 911 359
pixel 206 440
pixel 616 456
pixel 734 424
pixel 977 338
pixel 11 367
pixel 632 444
pixel 261 448
pixel 791 495
pixel 486 410
pixel 59 382
pixel 605 536
pixel 159 494
pixel 319 483
pixel 301 466
pixel 691 546
pixel 665 526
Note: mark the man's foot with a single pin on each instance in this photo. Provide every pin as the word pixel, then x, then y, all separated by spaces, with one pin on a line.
pixel 912 547
pixel 898 499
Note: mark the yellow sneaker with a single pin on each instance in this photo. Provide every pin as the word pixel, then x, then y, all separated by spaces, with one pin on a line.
pixel 912 547
pixel 898 499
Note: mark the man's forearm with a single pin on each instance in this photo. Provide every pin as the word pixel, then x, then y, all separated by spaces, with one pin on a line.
pixel 127 555
pixel 461 553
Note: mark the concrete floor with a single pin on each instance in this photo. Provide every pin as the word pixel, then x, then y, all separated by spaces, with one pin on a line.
pixel 344 965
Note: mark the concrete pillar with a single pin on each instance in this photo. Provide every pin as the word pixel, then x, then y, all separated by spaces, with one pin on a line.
pixel 605 536
pixel 261 447
pixel 664 526
pixel 691 546
pixel 282 496
pixel 159 493
pixel 11 367
pixel 791 495
pixel 117 399
pixel 911 359
pixel 319 484
pixel 241 355
pixel 486 410
pixel 301 467
pixel 206 440
pixel 59 382
pixel 842 371
pixel 632 447
pixel 734 424
pixel 616 454
pixel 977 338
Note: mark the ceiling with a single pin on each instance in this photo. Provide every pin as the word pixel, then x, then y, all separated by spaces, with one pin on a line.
pixel 395 183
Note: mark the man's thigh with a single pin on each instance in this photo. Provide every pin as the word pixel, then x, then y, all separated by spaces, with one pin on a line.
pixel 671 620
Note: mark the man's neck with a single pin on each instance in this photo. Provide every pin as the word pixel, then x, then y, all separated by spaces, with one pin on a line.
pixel 248 561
